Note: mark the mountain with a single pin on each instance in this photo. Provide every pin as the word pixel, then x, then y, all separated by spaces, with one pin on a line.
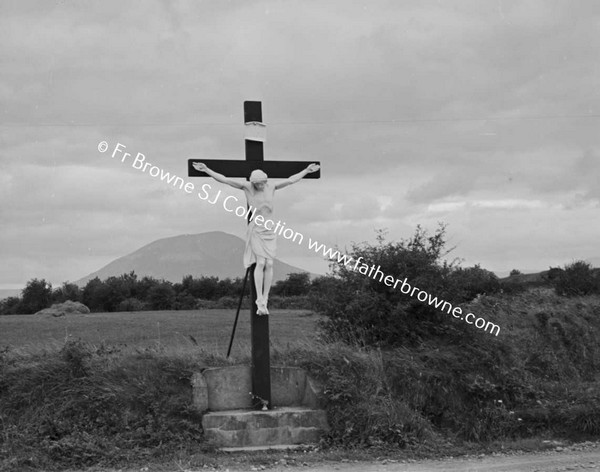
pixel 207 254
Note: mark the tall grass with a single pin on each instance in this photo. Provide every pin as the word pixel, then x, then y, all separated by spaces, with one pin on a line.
pixel 79 403
pixel 86 404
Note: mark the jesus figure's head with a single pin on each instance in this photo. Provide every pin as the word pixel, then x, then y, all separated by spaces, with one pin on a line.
pixel 258 179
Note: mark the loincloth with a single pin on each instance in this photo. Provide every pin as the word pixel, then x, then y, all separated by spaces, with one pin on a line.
pixel 260 242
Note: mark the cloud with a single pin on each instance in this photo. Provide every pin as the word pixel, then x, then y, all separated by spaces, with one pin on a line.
pixel 418 110
pixel 449 183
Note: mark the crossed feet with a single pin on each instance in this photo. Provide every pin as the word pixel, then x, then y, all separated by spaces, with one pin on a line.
pixel 261 304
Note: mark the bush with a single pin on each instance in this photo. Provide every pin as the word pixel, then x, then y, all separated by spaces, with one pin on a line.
pixel 202 304
pixel 10 306
pixel 364 310
pixel 469 282
pixel 513 286
pixel 184 301
pixel 230 302
pixel 362 407
pixel 295 284
pixel 578 278
pixel 131 304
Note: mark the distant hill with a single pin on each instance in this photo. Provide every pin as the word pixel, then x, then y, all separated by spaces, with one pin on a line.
pixel 536 278
pixel 542 278
pixel 207 254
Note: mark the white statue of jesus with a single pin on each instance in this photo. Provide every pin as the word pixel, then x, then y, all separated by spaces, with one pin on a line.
pixel 260 240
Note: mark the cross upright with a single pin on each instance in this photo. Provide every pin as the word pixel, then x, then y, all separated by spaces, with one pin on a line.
pixel 259 324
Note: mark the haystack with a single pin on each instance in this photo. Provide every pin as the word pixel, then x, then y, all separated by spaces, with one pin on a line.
pixel 62 309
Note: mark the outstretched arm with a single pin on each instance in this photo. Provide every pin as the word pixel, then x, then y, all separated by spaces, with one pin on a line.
pixel 218 177
pixel 297 177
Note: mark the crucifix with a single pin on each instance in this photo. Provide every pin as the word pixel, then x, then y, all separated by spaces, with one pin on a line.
pixel 260 241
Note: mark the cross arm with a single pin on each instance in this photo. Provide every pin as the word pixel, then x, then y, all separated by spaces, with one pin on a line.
pixel 242 169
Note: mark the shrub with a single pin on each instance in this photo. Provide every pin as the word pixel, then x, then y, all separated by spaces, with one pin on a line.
pixel 360 308
pixel 513 286
pixel 362 407
pixel 10 306
pixel 469 282
pixel 578 278
pixel 202 304
pixel 231 302
pixel 294 285
pixel 184 301
pixel 131 304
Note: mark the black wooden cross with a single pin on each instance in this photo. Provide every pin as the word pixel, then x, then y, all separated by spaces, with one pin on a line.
pixel 259 324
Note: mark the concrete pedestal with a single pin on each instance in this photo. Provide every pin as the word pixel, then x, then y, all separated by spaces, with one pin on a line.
pixel 229 422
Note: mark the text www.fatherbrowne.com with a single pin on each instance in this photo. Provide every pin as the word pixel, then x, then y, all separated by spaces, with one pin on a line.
pixel 389 280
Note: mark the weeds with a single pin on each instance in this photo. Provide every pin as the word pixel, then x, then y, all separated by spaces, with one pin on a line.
pixel 82 404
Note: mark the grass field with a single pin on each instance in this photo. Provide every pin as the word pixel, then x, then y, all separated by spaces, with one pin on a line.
pixel 211 330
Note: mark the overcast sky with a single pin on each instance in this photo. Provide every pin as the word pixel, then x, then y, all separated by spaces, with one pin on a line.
pixel 484 115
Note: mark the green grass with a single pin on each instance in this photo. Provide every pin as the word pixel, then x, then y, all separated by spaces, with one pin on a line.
pixel 173 330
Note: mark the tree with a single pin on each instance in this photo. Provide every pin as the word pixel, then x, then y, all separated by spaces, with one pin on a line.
pixel 10 306
pixel 515 272
pixel 95 295
pixel 143 287
pixel 36 296
pixel 224 288
pixel 162 296
pixel 294 284
pixel 204 287
pixel 118 289
pixel 68 291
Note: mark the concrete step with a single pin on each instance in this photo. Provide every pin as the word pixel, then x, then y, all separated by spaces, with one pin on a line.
pixel 253 428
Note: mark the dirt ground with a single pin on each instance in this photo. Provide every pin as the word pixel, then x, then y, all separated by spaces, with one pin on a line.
pixel 573 458
pixel 539 462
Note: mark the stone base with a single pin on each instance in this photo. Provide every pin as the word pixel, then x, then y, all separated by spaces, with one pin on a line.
pixel 228 388
pixel 285 426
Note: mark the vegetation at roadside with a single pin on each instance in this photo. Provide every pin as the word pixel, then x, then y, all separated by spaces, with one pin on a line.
pixel 87 405
pixel 395 373
pixel 100 404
